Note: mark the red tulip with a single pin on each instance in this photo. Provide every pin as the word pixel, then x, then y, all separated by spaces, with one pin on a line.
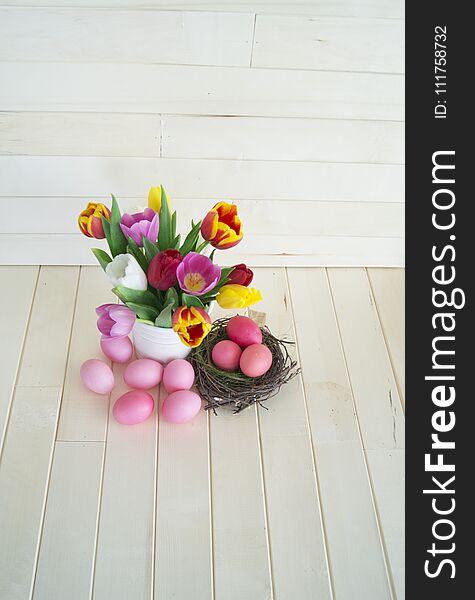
pixel 241 274
pixel 161 273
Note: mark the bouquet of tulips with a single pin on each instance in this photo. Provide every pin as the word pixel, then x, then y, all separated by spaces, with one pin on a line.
pixel 161 279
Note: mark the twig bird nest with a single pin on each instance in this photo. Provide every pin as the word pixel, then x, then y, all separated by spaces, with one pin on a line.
pixel 234 390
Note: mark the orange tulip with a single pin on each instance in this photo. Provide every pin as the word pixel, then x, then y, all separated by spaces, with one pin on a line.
pixel 222 227
pixel 90 222
pixel 192 325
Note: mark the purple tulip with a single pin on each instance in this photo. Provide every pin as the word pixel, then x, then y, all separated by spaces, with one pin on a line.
pixel 115 320
pixel 197 274
pixel 140 224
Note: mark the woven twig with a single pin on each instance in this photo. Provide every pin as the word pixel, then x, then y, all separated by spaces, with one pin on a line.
pixel 234 390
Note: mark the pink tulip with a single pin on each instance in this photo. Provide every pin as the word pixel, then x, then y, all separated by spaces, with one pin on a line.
pixel 140 224
pixel 115 320
pixel 197 274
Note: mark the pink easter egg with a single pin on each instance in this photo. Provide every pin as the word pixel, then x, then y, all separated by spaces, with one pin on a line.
pixel 178 375
pixel 133 407
pixel 181 406
pixel 143 373
pixel 226 355
pixel 255 360
pixel 243 331
pixel 97 376
pixel 119 350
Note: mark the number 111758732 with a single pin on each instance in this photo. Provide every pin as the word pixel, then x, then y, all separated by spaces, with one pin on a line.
pixel 440 71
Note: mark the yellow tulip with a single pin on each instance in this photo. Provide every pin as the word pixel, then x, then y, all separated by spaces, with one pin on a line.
pixel 155 198
pixel 234 295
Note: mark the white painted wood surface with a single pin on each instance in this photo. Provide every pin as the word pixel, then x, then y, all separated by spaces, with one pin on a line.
pixel 83 35
pixel 84 415
pixel 251 138
pixel 143 88
pixel 30 134
pixel 388 288
pixel 46 347
pixel 15 304
pixel 125 543
pixel 354 545
pixel 301 500
pixel 238 138
pixel 24 475
pixel 297 528
pixel 66 557
pixel 265 100
pixel 329 43
pixel 183 538
pixel 29 441
pixel 355 8
pixel 378 407
pixel 210 179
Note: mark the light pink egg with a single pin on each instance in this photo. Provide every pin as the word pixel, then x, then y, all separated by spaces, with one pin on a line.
pixel 181 406
pixel 143 373
pixel 243 331
pixel 255 360
pixel 97 376
pixel 133 407
pixel 178 375
pixel 119 350
pixel 226 355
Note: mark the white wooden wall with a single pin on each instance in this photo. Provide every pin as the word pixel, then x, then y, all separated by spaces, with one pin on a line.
pixel 292 109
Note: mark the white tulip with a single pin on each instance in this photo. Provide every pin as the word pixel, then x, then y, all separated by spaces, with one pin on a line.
pixel 124 270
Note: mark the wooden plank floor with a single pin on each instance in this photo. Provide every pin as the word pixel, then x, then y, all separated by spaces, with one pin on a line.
pixel 300 501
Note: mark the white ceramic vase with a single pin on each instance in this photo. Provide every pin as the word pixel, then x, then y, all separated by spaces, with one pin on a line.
pixel 159 343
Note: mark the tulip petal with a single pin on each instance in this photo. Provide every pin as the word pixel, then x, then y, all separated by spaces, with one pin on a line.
pixel 155 199
pixel 103 309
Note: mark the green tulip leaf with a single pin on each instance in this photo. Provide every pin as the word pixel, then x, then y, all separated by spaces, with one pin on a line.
pixel 150 248
pixel 222 281
pixel 173 227
pixel 189 300
pixel 142 311
pixel 176 242
pixel 191 240
pixel 146 297
pixel 164 233
pixel 146 321
pixel 119 243
pixel 102 257
pixel 106 226
pixel 137 253
pixel 164 319
pixel 171 298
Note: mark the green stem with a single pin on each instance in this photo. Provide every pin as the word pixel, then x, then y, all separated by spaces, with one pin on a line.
pixel 202 246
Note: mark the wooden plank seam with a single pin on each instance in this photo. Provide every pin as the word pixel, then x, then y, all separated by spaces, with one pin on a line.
pixel 20 356
pixel 43 510
pixel 386 344
pixel 370 482
pixel 314 463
